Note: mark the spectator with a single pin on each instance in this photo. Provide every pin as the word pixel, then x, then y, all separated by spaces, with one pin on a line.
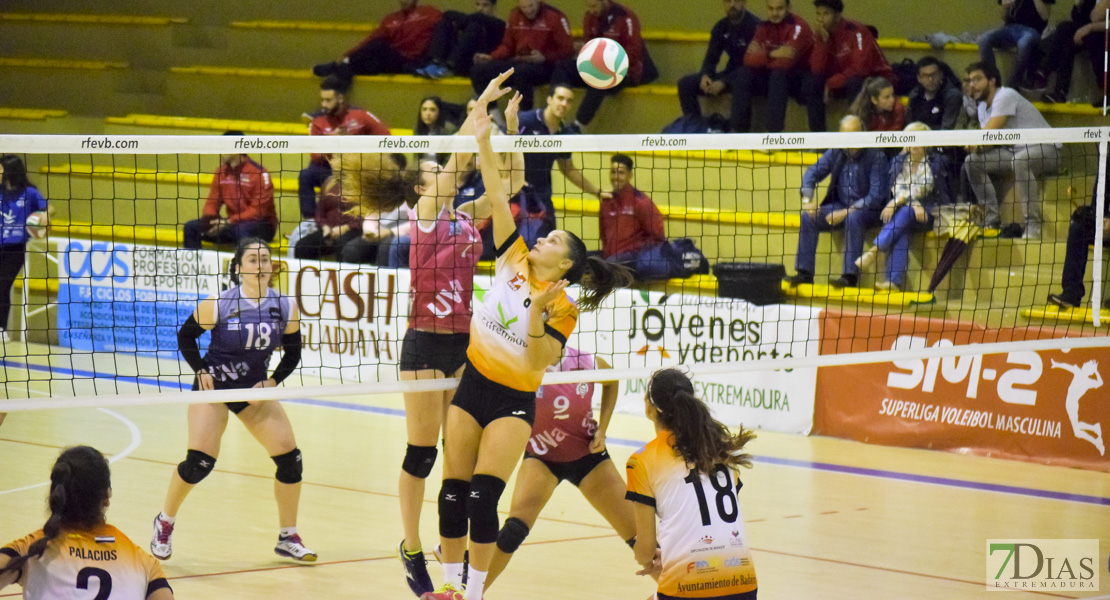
pixel 437 117
pixel 536 39
pixel 19 199
pixel 1023 22
pixel 774 65
pixel 338 227
pixel 605 18
pixel 921 181
pixel 877 107
pixel 1088 18
pixel 458 37
pixel 533 207
pixel 936 100
pixel 859 183
pixel 1081 234
pixel 844 56
pixel 1005 108
pixel 631 227
pixel 337 118
pixel 398 45
pixel 731 35
pixel 244 189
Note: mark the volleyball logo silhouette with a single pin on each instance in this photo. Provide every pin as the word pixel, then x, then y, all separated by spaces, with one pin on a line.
pixel 602 63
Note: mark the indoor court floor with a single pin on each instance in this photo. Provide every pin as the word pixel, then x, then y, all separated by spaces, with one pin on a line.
pixel 827 518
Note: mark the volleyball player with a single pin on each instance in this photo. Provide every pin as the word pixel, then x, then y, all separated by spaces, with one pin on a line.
pixel 76 549
pixel 687 477
pixel 442 259
pixel 567 444
pixel 518 328
pixel 248 322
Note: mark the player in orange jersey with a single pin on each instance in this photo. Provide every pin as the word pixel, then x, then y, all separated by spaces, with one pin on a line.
pixel 77 549
pixel 687 479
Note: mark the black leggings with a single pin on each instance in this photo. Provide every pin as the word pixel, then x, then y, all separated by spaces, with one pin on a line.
pixel 11 263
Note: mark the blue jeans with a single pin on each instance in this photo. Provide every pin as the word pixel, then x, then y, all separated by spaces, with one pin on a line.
pixel 1023 37
pixel 855 228
pixel 894 241
pixel 311 177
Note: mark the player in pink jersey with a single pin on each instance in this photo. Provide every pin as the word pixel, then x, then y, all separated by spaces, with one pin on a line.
pixel 566 444
pixel 443 255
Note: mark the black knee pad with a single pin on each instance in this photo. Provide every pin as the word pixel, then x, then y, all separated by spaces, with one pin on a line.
pixel 289 466
pixel 419 460
pixel 481 507
pixel 452 508
pixel 196 466
pixel 512 535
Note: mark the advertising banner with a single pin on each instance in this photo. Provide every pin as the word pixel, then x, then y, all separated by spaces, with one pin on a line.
pixel 1045 406
pixel 129 298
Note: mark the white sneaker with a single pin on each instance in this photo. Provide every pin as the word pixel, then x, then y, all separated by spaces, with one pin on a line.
pixel 292 547
pixel 161 543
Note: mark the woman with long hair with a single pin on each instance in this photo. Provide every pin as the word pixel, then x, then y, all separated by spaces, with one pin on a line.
pixel 19 201
pixel 433 119
pixel 518 329
pixel 567 444
pixel 921 183
pixel 248 323
pixel 443 256
pixel 77 546
pixel 684 485
pixel 878 107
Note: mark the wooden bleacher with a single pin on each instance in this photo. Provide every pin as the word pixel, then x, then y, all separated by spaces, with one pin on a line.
pixel 32 114
pixel 92 19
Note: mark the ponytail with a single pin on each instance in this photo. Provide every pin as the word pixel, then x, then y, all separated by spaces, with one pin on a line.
pixel 699 439
pixel 597 277
pixel 79 485
pixel 372 184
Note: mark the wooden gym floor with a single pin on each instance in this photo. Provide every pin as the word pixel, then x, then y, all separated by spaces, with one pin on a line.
pixel 827 518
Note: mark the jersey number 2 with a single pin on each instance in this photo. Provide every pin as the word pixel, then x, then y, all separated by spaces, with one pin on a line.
pixel 727 506
pixel 103 576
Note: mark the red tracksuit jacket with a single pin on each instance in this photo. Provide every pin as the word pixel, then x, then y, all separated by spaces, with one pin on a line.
pixel 850 52
pixel 793 32
pixel 621 25
pixel 549 33
pixel 409 33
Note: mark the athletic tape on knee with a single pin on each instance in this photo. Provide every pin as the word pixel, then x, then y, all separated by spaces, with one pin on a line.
pixel 196 466
pixel 512 535
pixel 452 508
pixel 289 466
pixel 481 507
pixel 419 460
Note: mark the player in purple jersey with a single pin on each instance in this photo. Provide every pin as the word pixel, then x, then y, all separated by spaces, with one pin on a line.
pixel 442 260
pixel 248 322
pixel 567 444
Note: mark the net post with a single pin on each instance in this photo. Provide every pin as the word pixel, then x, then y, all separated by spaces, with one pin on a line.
pixel 1100 204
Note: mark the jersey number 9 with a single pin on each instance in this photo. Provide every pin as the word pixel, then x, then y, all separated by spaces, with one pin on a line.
pixel 721 479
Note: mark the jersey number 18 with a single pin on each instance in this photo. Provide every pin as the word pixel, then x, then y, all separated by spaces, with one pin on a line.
pixel 263 335
pixel 721 479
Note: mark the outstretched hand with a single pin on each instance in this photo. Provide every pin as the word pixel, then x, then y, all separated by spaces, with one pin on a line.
pixel 512 113
pixel 494 91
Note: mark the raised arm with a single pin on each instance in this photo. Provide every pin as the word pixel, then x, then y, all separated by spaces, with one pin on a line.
pixel 609 391
pixel 503 223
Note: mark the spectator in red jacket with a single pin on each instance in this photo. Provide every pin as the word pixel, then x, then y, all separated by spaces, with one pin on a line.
pixel 844 56
pixel 398 45
pixel 536 39
pixel 877 107
pixel 242 187
pixel 338 117
pixel 605 18
pixel 338 227
pixel 631 226
pixel 774 65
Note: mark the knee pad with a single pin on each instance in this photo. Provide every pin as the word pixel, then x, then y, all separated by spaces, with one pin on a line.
pixel 481 507
pixel 419 460
pixel 512 535
pixel 452 508
pixel 289 466
pixel 196 466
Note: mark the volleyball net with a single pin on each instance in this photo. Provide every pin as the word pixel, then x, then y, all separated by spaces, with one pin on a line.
pixel 104 291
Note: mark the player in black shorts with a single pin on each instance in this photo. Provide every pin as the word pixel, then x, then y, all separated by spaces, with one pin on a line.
pixel 248 322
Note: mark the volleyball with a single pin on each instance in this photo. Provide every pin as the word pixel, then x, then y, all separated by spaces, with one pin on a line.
pixel 35 224
pixel 602 63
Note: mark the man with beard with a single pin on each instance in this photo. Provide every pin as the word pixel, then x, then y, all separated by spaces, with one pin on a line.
pixel 337 118
pixel 775 65
pixel 1004 108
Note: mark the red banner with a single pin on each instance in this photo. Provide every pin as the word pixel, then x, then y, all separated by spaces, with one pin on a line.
pixel 1047 406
